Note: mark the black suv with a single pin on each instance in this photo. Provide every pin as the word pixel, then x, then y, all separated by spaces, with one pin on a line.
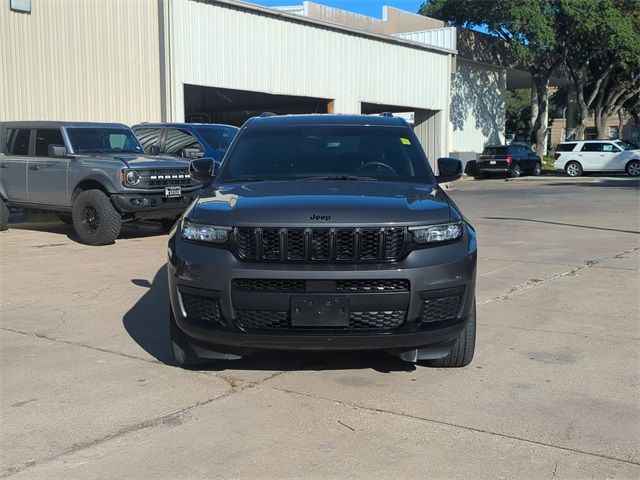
pixel 513 160
pixel 323 232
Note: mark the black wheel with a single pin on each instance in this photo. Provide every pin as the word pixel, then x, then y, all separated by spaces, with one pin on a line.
pixel 516 172
pixel 95 219
pixel 537 170
pixel 4 216
pixel 168 223
pixel 182 351
pixel 65 218
pixel 573 169
pixel 462 352
pixel 633 168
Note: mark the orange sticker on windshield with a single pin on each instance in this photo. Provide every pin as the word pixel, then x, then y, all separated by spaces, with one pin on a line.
pixel 405 141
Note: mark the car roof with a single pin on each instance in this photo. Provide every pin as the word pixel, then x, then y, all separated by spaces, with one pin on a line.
pixel 50 124
pixel 183 125
pixel 325 119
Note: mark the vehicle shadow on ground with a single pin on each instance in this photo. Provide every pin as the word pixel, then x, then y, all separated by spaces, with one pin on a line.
pixel 51 224
pixel 147 322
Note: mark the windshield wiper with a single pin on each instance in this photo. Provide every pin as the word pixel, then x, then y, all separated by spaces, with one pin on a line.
pixel 338 177
pixel 243 179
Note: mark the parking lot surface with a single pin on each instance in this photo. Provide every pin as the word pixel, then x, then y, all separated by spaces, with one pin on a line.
pixel 89 389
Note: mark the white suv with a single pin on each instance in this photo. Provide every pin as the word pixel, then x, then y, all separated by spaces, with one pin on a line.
pixel 597 156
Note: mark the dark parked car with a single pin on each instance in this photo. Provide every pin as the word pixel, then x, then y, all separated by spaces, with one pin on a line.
pixel 512 160
pixel 187 140
pixel 323 232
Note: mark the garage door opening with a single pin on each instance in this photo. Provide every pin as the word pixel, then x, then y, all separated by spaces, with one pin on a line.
pixel 234 107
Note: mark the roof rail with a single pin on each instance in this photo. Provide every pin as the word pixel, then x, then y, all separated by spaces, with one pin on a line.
pixel 268 114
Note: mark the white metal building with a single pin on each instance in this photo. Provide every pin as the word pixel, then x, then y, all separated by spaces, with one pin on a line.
pixel 225 60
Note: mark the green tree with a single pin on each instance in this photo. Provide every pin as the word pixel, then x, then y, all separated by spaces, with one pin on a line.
pixel 602 43
pixel 528 28
pixel 518 112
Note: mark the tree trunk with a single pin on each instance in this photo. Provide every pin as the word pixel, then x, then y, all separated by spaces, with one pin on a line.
pixel 601 121
pixel 534 111
pixel 583 114
pixel 539 133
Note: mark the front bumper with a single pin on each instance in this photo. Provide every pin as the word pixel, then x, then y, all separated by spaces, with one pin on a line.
pixel 150 204
pixel 429 273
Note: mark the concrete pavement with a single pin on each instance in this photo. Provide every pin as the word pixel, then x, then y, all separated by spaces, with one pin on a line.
pixel 89 390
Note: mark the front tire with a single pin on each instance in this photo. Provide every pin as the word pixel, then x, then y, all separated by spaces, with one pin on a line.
pixel 516 172
pixel 4 216
pixel 573 169
pixel 95 219
pixel 462 352
pixel 633 168
pixel 183 353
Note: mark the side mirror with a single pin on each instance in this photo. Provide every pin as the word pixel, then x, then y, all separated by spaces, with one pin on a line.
pixel 450 169
pixel 154 149
pixel 203 170
pixel 57 151
pixel 192 153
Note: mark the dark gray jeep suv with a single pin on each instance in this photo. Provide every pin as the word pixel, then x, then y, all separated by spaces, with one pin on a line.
pixel 323 232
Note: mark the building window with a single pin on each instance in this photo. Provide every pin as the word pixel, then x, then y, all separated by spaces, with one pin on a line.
pixel 591 133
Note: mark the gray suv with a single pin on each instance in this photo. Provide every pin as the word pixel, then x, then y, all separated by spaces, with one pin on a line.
pixel 323 232
pixel 93 175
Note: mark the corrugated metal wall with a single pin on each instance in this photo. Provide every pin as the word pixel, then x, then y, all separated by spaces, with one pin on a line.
pixel 440 37
pixel 80 60
pixel 283 56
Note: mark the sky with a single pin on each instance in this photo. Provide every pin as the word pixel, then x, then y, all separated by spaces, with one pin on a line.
pixel 372 8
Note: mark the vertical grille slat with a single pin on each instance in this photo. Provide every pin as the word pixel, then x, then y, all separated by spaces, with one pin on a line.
pixel 320 244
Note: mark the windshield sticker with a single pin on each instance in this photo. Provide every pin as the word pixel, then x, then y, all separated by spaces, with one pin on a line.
pixel 405 141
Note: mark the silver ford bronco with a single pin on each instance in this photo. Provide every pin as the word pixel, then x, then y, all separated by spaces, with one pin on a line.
pixel 93 175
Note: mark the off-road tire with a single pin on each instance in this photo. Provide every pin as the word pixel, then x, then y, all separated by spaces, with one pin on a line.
pixel 66 218
pixel 95 219
pixel 462 352
pixel 573 169
pixel 4 216
pixel 183 354
pixel 516 172
pixel 633 168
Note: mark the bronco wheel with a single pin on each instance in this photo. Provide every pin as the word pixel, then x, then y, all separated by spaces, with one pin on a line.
pixel 633 168
pixel 4 215
pixel 182 352
pixel 462 352
pixel 66 218
pixel 573 169
pixel 95 219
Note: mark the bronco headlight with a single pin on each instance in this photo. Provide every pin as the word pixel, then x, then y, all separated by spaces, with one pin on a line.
pixel 132 177
pixel 204 233
pixel 437 233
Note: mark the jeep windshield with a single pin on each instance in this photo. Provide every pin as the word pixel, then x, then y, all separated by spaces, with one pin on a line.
pixel 103 140
pixel 218 138
pixel 342 152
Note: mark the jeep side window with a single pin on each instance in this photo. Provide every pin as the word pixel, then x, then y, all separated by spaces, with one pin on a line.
pixel 46 137
pixel 177 140
pixel 148 137
pixel 18 141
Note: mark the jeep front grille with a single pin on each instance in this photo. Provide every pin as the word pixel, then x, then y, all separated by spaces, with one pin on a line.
pixel 320 244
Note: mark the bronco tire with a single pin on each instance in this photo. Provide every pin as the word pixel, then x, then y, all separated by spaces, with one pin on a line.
pixel 462 352
pixel 95 220
pixel 4 216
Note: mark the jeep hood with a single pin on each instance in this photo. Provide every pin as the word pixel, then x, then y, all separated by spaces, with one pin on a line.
pixel 321 202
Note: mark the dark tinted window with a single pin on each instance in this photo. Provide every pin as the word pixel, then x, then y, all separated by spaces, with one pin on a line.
pixel 148 137
pixel 177 140
pixel 218 138
pixel 17 142
pixel 46 137
pixel 495 151
pixel 592 147
pixel 103 140
pixel 566 147
pixel 385 153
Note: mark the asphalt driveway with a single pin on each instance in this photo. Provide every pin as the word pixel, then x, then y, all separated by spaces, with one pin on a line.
pixel 88 389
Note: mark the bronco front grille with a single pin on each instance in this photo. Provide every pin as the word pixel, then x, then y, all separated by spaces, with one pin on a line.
pixel 320 244
pixel 280 320
pixel 167 177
